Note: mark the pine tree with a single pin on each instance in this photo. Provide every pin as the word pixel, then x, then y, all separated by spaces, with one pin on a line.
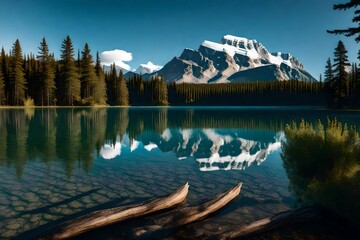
pixel 112 81
pixel 353 84
pixel 46 74
pixel 2 77
pixel 160 94
pixel 356 87
pixel 121 91
pixel 88 76
pixel 100 93
pixel 329 75
pixel 5 71
pixel 3 58
pixel 16 78
pixel 78 65
pixel 329 83
pixel 70 90
pixel 351 31
pixel 2 89
pixel 341 81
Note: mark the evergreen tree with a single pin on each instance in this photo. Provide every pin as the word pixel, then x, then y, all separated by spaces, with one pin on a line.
pixel 3 59
pixel 354 85
pixel 88 75
pixel 329 75
pixel 2 89
pixel 353 76
pixel 78 65
pixel 46 74
pixel 351 31
pixel 100 93
pixel 112 85
pixel 160 93
pixel 329 83
pixel 16 78
pixel 5 71
pixel 70 90
pixel 341 81
pixel 121 91
pixel 32 76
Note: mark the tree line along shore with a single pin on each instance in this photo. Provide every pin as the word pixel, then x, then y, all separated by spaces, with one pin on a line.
pixel 41 80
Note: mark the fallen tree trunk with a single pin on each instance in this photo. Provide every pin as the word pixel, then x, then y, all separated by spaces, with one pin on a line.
pixel 280 220
pixel 186 215
pixel 109 216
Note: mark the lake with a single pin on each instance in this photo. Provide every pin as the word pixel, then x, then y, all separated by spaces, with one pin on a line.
pixel 59 163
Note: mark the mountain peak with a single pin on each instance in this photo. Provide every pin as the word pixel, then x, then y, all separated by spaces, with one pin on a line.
pixel 148 67
pixel 232 59
pixel 240 42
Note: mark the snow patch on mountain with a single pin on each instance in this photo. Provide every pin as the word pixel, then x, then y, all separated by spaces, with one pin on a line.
pixel 148 67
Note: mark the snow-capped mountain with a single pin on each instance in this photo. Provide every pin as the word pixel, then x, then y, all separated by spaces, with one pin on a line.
pixel 234 59
pixel 118 68
pixel 148 67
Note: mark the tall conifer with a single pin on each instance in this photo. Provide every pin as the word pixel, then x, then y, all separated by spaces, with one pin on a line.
pixel 17 79
pixel 160 94
pixel 100 93
pixel 46 74
pixel 69 77
pixel 121 91
pixel 2 89
pixel 341 81
pixel 88 75
pixel 5 70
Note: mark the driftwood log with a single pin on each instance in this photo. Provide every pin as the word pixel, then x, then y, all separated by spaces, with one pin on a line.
pixel 280 220
pixel 109 216
pixel 185 215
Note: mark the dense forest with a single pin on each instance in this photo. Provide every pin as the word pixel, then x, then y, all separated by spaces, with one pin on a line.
pixel 41 80
pixel 342 80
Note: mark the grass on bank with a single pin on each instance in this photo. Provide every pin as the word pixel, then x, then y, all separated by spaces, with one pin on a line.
pixel 323 165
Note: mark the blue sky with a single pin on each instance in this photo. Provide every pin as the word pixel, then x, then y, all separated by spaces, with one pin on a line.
pixel 158 30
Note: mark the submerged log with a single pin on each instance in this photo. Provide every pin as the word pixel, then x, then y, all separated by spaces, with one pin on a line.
pixel 109 216
pixel 185 215
pixel 280 220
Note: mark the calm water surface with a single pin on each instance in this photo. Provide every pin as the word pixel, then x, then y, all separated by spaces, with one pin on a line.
pixel 56 164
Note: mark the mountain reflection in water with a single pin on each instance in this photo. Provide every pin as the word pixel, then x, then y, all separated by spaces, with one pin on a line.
pixel 213 149
pixel 56 164
pixel 78 136
pixel 217 138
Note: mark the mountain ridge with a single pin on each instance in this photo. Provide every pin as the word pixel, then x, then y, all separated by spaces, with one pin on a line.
pixel 233 59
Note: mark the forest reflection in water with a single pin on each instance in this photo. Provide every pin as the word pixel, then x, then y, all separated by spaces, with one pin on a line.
pixel 219 138
pixel 54 162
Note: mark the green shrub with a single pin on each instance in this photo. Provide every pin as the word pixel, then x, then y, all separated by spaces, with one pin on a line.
pixel 29 102
pixel 323 165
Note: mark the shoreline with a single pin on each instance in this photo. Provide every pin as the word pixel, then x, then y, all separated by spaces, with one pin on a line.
pixel 254 107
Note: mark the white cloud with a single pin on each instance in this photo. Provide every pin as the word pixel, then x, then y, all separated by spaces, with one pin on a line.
pixel 119 57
